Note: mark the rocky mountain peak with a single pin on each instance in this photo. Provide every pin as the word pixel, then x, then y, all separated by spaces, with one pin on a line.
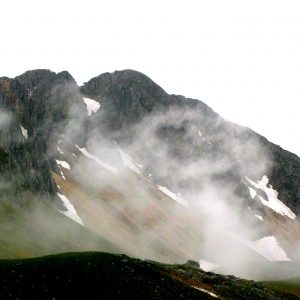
pixel 122 82
pixel 128 96
pixel 33 78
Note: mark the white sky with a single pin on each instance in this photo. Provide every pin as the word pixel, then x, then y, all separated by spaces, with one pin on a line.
pixel 242 58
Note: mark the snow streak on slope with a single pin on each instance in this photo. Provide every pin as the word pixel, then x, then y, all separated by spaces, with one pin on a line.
pixel 270 249
pixel 62 175
pixel 273 202
pixel 252 192
pixel 59 150
pixel 92 105
pixel 128 162
pixel 203 139
pixel 259 217
pixel 175 197
pixel 98 161
pixel 24 132
pixel 206 291
pixel 64 164
pixel 70 212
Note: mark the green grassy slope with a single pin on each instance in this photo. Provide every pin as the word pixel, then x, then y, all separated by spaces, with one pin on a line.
pixel 42 231
pixel 291 286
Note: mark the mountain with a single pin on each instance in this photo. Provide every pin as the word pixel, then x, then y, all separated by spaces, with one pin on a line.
pixel 191 150
pixel 119 165
pixel 127 97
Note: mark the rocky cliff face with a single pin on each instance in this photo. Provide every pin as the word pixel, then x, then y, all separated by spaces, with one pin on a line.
pixel 18 161
pixel 36 107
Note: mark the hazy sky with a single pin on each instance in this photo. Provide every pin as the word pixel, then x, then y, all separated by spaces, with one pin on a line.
pixel 240 57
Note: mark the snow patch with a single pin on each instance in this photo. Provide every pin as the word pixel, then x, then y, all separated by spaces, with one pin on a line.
pixel 59 150
pixel 273 202
pixel 128 162
pixel 252 192
pixel 207 266
pixel 62 175
pixel 203 138
pixel 91 105
pixel 259 217
pixel 205 291
pixel 270 249
pixel 24 132
pixel 70 210
pixel 98 161
pixel 172 195
pixel 64 164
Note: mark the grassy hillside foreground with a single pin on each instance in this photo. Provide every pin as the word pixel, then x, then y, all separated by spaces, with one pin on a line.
pixel 42 230
pixel 90 275
pixel 292 286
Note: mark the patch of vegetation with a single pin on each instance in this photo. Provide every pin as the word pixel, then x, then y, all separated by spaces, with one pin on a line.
pixel 226 286
pixel 41 230
pixel 3 157
pixel 291 286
